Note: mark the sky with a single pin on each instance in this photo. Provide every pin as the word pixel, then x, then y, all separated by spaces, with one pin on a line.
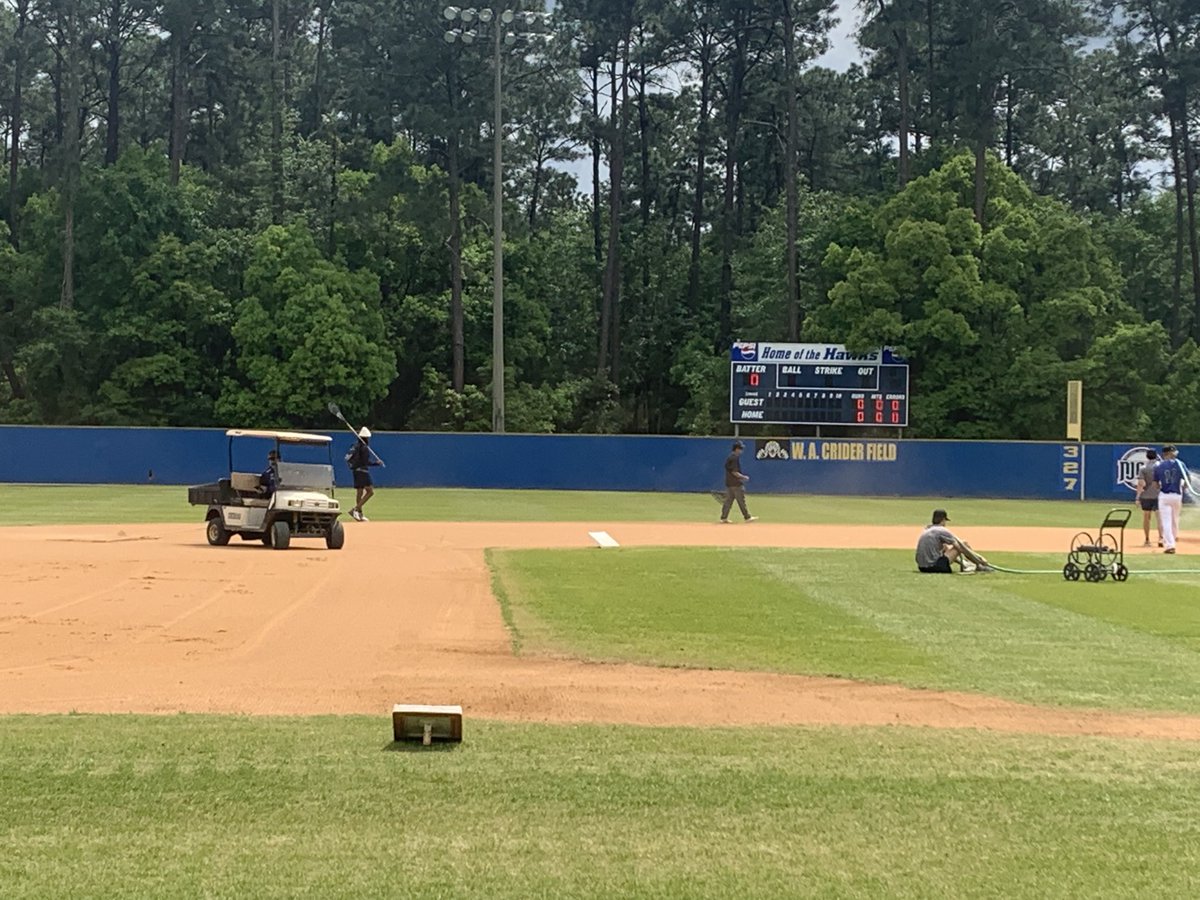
pixel 842 53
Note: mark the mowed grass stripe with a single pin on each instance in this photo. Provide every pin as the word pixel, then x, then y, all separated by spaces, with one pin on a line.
pixel 866 615
pixel 129 504
pixel 127 806
pixel 717 608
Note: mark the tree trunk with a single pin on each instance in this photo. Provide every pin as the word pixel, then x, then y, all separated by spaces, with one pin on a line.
pixel 331 225
pixel 615 216
pixel 1165 85
pixel 901 34
pixel 730 222
pixel 1177 273
pixel 790 174
pixel 59 118
pixel 318 107
pixel 15 121
pixel 1189 161
pixel 458 363
pixel 112 132
pixel 931 125
pixel 980 178
pixel 71 140
pixel 647 190
pixel 597 238
pixel 535 191
pixel 693 288
pixel 610 298
pixel 14 380
pixel 610 307
pixel 113 46
pixel 179 43
pixel 276 100
pixel 1009 114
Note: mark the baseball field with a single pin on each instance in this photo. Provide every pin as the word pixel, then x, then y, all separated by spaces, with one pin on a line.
pixel 782 708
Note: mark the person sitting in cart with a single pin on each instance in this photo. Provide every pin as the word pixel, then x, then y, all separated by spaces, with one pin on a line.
pixel 269 479
pixel 938 548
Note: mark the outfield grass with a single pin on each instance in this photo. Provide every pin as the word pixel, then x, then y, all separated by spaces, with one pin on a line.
pixel 866 615
pixel 209 806
pixel 121 504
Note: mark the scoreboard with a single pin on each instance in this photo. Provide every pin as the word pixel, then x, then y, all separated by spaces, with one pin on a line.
pixel 816 384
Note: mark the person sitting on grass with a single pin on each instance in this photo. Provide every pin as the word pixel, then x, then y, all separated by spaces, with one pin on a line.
pixel 938 549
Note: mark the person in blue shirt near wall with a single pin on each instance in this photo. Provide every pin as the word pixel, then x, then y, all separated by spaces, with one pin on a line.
pixel 1168 475
pixel 269 479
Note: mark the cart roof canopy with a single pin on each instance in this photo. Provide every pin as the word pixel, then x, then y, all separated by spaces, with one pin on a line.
pixel 284 437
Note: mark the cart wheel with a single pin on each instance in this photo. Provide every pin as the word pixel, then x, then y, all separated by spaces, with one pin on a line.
pixel 335 537
pixel 281 534
pixel 216 533
pixel 1091 572
pixel 1071 572
pixel 1120 572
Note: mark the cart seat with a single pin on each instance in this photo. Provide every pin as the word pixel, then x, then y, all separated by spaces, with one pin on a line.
pixel 249 489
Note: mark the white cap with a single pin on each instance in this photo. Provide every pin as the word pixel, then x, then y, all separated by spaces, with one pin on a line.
pixel 364 432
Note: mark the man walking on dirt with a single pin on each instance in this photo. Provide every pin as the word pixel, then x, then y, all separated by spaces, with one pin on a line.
pixel 1147 496
pixel 361 459
pixel 734 485
pixel 1168 474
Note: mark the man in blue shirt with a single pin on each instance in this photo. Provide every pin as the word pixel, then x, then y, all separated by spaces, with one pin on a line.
pixel 269 479
pixel 1168 475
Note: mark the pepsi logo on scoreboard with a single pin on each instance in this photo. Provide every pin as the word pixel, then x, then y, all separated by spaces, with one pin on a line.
pixel 745 351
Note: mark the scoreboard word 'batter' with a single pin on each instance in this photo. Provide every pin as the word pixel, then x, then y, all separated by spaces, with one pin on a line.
pixel 816 384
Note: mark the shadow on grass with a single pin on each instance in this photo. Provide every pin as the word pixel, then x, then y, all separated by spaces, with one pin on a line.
pixel 417 747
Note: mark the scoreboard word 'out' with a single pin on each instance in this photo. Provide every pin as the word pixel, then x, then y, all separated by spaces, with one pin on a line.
pixel 816 384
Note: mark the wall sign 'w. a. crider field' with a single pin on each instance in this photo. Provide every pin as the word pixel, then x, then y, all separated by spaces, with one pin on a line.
pixel 816 384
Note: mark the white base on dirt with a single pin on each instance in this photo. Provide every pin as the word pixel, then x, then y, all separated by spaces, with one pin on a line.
pixel 603 539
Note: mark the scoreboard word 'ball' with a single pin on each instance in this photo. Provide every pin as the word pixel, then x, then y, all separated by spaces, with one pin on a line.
pixel 816 384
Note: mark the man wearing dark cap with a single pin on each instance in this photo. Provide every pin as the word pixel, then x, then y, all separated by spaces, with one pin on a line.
pixel 938 547
pixel 734 485
pixel 1168 475
pixel 269 479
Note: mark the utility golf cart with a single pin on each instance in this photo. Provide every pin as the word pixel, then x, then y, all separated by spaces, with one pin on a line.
pixel 302 504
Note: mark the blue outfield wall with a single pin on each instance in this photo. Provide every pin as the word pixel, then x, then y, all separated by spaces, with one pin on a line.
pixel 32 454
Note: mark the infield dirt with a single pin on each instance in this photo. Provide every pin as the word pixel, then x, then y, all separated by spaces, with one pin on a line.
pixel 152 619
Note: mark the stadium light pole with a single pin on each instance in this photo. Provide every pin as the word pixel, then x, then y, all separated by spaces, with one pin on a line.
pixel 503 23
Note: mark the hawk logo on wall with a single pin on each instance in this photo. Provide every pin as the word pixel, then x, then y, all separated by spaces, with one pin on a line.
pixel 770 450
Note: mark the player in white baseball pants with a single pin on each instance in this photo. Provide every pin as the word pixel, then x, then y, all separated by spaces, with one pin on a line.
pixel 1169 506
pixel 1171 485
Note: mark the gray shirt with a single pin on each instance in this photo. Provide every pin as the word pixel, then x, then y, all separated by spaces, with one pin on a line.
pixel 929 547
pixel 1146 477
